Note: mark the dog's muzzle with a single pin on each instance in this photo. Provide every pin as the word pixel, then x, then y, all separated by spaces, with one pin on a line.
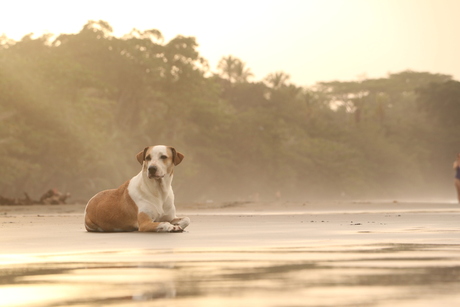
pixel 152 171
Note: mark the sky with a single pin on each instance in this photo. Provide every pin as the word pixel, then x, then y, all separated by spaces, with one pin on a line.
pixel 311 40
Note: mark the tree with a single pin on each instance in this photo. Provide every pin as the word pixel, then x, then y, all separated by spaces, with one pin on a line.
pixel 76 108
pixel 441 103
pixel 277 79
pixel 233 69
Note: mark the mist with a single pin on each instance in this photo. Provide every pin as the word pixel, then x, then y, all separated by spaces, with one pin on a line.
pixel 75 109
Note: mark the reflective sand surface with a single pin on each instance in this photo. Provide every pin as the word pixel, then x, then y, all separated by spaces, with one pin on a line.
pixel 370 275
pixel 295 259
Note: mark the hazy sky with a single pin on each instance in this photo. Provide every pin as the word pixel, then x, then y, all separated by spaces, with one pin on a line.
pixel 312 40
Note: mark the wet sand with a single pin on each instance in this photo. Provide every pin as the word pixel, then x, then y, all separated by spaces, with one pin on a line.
pixel 237 254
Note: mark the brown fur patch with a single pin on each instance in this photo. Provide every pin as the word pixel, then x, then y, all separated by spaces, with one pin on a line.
pixel 114 210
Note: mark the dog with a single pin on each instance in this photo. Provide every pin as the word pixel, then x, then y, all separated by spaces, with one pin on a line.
pixel 143 203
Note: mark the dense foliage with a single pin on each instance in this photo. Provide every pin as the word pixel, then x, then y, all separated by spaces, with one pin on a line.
pixel 75 109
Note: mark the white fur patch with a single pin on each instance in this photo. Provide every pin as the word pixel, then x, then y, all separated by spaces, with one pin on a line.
pixel 152 197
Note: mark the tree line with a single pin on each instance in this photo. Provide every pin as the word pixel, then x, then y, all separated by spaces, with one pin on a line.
pixel 76 108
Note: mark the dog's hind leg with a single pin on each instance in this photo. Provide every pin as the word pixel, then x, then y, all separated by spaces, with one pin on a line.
pixel 90 226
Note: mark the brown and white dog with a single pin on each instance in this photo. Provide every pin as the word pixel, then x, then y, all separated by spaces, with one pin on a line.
pixel 144 203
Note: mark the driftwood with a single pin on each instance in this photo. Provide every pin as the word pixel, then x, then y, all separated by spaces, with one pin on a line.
pixel 53 197
pixel 50 197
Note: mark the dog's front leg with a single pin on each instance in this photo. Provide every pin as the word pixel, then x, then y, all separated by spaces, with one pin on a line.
pixel 147 225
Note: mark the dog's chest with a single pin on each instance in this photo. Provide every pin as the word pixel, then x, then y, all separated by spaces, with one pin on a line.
pixel 153 203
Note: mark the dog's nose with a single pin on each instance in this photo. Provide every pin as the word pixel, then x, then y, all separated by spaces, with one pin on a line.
pixel 153 169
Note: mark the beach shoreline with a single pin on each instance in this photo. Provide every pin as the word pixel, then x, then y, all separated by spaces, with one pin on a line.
pixel 234 222
pixel 297 254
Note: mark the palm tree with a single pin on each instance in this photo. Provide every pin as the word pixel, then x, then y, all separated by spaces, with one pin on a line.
pixel 277 79
pixel 233 69
pixel 226 66
pixel 241 72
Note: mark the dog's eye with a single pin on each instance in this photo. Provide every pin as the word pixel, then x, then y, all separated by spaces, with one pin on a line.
pixel 163 157
pixel 148 158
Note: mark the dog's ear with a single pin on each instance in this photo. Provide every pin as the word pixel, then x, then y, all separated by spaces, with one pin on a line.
pixel 141 155
pixel 177 157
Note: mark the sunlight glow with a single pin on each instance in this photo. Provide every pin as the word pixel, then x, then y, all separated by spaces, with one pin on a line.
pixel 33 295
pixel 311 40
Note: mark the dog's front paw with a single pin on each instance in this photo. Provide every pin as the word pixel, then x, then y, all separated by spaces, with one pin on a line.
pixel 181 222
pixel 176 228
pixel 168 227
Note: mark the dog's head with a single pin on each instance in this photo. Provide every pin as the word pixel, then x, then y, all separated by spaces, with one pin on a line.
pixel 159 161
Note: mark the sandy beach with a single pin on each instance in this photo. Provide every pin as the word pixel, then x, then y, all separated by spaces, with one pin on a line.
pixel 355 253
